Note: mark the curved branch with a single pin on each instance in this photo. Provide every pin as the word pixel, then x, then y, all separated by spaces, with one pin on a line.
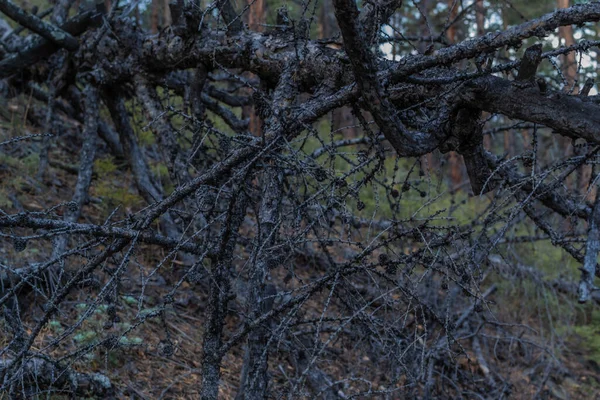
pixel 571 116
pixel 375 100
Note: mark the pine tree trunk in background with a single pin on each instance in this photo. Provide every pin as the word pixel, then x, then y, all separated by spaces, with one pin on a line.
pixel 454 159
pixel 257 15
pixel 508 136
pixel 480 17
pixel 569 70
pixel 327 28
pixel 255 18
pixel 509 143
pixel 154 16
pixel 160 16
pixel 327 24
pixel 424 6
pixel 480 20
pixel 453 10
pixel 344 122
pixel 569 63
pixel 167 20
pixel 432 160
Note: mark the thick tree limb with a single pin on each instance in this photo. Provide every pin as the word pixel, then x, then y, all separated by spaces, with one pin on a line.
pixel 37 25
pixel 569 115
pixel 43 14
pixel 228 116
pixel 42 48
pixel 143 177
pixel 564 205
pixel 467 131
pixel 375 100
pixel 38 372
pixel 86 164
pixel 529 63
pixel 105 131
pixel 232 19
pixel 101 231
pixel 234 101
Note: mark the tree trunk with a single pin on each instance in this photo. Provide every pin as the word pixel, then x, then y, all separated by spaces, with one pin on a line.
pixel 254 380
pixel 569 71
pixel 569 63
pixel 327 25
pixel 155 16
pixel 480 17
pixel 454 160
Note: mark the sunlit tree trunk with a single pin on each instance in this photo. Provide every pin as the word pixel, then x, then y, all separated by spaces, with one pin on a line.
pixel 453 11
pixel 569 71
pixel 569 63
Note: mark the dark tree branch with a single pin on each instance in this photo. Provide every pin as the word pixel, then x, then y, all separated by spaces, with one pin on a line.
pixel 375 100
pixel 564 205
pixel 150 190
pixel 43 14
pixel 228 116
pixel 231 18
pixel 231 100
pixel 143 177
pixel 540 27
pixel 41 49
pixel 37 25
pixel 585 90
pixel 468 131
pixel 86 163
pixel 39 372
pixel 571 116
pixel 529 63
pixel 100 231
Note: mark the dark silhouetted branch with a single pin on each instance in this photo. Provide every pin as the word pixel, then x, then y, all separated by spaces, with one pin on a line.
pixel 37 25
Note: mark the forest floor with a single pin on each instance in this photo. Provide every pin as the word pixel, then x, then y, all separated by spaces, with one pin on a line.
pixel 141 370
